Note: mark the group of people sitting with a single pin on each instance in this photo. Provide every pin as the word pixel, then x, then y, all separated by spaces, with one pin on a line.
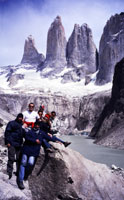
pixel 25 135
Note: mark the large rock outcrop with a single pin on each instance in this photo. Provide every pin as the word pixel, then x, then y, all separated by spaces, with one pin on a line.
pixel 81 49
pixel 31 55
pixel 56 49
pixel 109 126
pixel 67 175
pixel 111 48
pixel 82 56
pixel 90 109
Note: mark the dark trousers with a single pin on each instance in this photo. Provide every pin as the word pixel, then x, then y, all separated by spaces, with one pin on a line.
pixel 13 156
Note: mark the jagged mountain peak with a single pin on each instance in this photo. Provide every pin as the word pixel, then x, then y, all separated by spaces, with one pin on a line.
pixel 31 55
pixel 81 48
pixel 57 23
pixel 57 19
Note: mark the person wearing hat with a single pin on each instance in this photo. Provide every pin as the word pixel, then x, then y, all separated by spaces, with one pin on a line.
pixel 13 137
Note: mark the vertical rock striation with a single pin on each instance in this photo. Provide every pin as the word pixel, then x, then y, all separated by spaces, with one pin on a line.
pixel 56 41
pixel 56 48
pixel 111 48
pixel 82 55
pixel 81 49
pixel 31 55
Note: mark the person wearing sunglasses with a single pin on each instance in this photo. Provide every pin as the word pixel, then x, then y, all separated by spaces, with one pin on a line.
pixel 30 116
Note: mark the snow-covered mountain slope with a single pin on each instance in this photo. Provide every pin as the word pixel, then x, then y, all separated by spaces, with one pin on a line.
pixel 26 79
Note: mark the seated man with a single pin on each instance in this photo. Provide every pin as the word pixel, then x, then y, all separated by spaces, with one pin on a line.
pixel 45 126
pixel 30 151
pixel 30 116
pixel 55 123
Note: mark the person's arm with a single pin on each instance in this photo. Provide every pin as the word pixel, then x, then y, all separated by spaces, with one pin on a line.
pixel 48 137
pixel 7 134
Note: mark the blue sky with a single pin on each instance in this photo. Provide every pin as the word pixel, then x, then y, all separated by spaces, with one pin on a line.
pixel 21 18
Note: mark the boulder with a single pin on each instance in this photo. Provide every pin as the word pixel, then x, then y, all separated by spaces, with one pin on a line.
pixel 67 175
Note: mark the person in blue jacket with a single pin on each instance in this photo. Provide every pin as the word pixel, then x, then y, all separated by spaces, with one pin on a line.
pixel 30 151
pixel 13 140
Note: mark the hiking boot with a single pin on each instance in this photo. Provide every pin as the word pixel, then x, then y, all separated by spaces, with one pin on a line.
pixel 67 144
pixel 25 177
pixel 10 175
pixel 15 173
pixel 49 150
pixel 21 185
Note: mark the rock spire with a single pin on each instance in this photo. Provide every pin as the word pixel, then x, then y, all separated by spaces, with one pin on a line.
pixel 56 41
pixel 81 49
pixel 31 55
pixel 56 48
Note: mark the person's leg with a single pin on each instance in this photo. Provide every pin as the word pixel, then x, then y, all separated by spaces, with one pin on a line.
pixel 11 159
pixel 21 173
pixel 22 167
pixel 46 144
pixel 18 159
pixel 55 139
pixel 29 167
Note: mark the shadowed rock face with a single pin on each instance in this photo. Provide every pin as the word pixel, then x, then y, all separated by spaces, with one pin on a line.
pixel 112 116
pixel 31 55
pixel 67 175
pixel 81 49
pixel 90 108
pixel 111 48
